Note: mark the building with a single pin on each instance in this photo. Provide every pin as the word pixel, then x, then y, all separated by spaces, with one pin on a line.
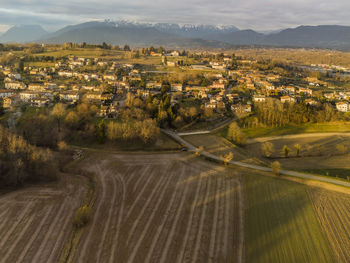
pixel 287 99
pixel 4 93
pixel 343 106
pixel 176 87
pixel 15 85
pixel 70 96
pixel 27 96
pixel 259 98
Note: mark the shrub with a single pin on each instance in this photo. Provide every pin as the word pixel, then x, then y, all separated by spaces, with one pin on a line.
pixel 62 146
pixel 285 151
pixel 297 148
pixel 341 148
pixel 82 216
pixel 276 167
pixel 267 149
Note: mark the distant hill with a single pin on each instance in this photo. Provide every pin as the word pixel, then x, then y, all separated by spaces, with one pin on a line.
pixel 126 33
pixel 23 33
pixel 312 36
pixel 183 36
pixel 206 32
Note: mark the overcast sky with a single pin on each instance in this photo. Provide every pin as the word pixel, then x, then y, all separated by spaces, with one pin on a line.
pixel 255 14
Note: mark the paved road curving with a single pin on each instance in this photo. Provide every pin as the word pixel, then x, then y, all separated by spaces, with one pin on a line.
pixel 192 148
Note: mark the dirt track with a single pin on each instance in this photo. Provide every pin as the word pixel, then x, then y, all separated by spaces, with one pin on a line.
pixel 163 208
pixel 35 222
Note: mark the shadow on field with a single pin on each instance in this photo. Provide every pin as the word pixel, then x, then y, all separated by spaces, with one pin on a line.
pixel 280 224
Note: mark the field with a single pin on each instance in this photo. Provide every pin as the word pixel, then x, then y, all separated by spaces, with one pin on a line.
pixel 35 222
pixel 280 223
pixel 317 151
pixel 303 128
pixel 163 208
pixel 333 210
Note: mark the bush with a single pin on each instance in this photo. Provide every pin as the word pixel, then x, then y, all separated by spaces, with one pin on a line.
pixel 267 149
pixel 82 216
pixel 62 146
pixel 285 151
pixel 276 167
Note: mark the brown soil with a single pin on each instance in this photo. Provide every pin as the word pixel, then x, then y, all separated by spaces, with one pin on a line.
pixel 163 208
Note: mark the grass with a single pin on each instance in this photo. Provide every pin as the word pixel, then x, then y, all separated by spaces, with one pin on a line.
pixel 281 224
pixel 291 129
pixel 163 143
pixel 331 172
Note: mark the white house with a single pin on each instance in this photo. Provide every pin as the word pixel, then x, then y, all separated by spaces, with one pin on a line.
pixel 343 106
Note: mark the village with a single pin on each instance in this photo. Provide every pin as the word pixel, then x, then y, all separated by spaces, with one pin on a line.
pixel 230 84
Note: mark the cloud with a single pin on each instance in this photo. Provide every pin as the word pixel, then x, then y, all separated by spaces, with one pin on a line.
pixel 255 14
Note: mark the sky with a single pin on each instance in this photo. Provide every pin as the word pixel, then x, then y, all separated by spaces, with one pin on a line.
pixel 260 15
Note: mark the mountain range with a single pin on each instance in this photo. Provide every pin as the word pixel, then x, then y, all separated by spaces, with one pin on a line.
pixel 182 36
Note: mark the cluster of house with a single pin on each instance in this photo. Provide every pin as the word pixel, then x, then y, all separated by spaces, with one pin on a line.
pixel 108 91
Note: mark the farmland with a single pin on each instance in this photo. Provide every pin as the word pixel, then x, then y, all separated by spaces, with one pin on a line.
pixel 35 222
pixel 162 208
pixel 333 212
pixel 280 223
pixel 317 151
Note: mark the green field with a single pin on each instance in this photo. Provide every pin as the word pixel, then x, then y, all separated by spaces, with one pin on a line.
pixel 303 128
pixel 281 224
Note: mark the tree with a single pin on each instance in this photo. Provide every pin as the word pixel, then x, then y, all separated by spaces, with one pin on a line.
pixel 2 111
pixel 235 134
pixel 276 166
pixel 267 149
pixel 101 132
pixel 228 157
pixel 58 112
pixel 297 148
pixel 82 216
pixel 127 48
pixel 286 151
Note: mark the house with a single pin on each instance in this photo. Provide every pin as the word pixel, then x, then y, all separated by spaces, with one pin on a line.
pixel 40 102
pixel 72 96
pixel 211 105
pixel 218 85
pixel 171 63
pixel 343 106
pixel 176 87
pixel 153 85
pixel 36 87
pixel 15 85
pixel 288 99
pixel 305 91
pixel 5 93
pixel 26 96
pixel 311 102
pixel 241 108
pixel 10 101
pixel 259 98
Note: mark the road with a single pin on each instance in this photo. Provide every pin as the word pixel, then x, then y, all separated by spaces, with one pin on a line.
pixel 192 148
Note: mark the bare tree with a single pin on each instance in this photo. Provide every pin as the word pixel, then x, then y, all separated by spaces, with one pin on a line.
pixel 267 149
pixel 276 167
